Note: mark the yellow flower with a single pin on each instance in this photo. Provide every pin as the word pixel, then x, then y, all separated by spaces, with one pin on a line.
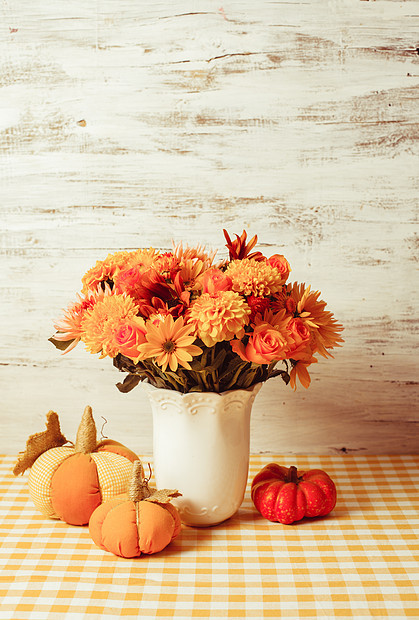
pixel 324 328
pixel 103 319
pixel 253 277
pixel 170 343
pixel 219 317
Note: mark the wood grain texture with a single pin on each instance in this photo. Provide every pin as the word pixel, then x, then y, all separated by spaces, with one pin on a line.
pixel 125 125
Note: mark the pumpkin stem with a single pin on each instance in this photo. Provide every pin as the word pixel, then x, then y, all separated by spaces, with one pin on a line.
pixel 292 475
pixel 138 485
pixel 86 434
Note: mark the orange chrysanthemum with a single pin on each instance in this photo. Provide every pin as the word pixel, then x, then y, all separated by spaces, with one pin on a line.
pixel 69 327
pixel 170 343
pixel 219 317
pixel 324 328
pixel 252 277
pixel 103 270
pixel 103 319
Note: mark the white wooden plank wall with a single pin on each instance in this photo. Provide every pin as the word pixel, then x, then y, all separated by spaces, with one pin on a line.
pixel 126 124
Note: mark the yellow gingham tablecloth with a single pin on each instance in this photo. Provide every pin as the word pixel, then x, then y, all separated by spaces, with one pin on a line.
pixel 361 561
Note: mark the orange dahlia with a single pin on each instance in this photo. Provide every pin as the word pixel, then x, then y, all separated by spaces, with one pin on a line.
pixel 219 317
pixel 252 277
pixel 103 319
pixel 170 343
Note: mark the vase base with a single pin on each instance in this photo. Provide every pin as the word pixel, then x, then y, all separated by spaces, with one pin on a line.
pixel 205 517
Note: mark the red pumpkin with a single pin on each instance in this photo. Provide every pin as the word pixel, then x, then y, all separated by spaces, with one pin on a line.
pixel 286 495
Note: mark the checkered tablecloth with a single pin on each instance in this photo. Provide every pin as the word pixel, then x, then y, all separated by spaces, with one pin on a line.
pixel 361 561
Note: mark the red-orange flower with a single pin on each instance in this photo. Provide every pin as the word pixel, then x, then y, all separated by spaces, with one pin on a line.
pixel 170 343
pixel 258 305
pixel 239 249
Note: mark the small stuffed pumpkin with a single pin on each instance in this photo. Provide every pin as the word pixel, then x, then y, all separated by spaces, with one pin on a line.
pixel 286 495
pixel 69 482
pixel 141 521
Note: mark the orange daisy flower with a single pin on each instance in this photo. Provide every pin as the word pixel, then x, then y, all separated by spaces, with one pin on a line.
pixel 170 343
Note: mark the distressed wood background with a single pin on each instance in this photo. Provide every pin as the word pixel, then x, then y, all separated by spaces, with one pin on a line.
pixel 129 124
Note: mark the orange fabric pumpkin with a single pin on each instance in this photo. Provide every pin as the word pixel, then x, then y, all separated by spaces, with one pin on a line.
pixel 69 482
pixel 141 521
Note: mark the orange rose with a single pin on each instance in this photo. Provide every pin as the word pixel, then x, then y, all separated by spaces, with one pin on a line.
pixel 280 262
pixel 300 345
pixel 214 281
pixel 266 344
pixel 128 336
pixel 127 279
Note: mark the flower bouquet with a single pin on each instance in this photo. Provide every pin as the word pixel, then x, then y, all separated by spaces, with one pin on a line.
pixel 185 322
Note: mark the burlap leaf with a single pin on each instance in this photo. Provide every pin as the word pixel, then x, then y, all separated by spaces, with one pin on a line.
pixel 139 491
pixel 39 443
pixel 162 496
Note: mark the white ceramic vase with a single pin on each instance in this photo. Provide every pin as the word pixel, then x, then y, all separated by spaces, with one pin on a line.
pixel 201 447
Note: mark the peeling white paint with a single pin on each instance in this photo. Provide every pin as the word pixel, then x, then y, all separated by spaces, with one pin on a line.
pixel 297 121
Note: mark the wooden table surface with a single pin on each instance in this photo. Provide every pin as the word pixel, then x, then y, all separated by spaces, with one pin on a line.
pixel 129 124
